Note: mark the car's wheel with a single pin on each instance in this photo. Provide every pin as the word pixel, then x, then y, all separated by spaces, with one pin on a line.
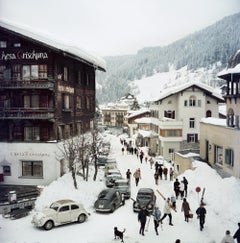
pixel 113 208
pixel 48 225
pixel 123 201
pixel 81 218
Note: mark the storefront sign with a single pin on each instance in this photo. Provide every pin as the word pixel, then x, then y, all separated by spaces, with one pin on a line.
pixel 20 55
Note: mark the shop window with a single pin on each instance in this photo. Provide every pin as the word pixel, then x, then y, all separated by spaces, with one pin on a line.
pixel 32 168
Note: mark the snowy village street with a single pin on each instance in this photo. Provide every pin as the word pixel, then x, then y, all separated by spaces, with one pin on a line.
pixel 222 204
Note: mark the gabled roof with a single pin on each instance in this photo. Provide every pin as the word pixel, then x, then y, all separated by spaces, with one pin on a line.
pixel 138 112
pixel 174 90
pixel 58 45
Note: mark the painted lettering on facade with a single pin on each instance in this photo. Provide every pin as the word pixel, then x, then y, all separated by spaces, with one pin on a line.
pixel 20 55
pixel 32 154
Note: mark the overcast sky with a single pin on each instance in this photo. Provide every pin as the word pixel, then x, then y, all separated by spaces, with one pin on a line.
pixel 117 27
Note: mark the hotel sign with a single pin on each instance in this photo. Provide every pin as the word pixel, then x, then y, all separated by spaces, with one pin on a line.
pixel 21 55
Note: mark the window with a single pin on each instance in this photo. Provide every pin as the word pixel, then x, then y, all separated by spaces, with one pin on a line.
pixel 199 103
pixel 64 209
pixel 74 206
pixel 66 102
pixel 192 138
pixel 31 133
pixel 65 74
pixel 3 44
pixel 88 103
pixel 192 101
pixel 229 157
pixel 185 103
pixel 42 71
pixel 2 68
pixel 6 170
pixel 191 122
pixel 78 102
pixel 29 72
pixel 169 114
pixel 218 155
pixel 32 168
pixel 31 101
pixel 17 44
pixel 16 69
pixel 79 77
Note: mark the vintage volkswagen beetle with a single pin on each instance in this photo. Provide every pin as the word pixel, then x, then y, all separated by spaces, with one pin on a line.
pixel 145 197
pixel 109 200
pixel 110 179
pixel 60 212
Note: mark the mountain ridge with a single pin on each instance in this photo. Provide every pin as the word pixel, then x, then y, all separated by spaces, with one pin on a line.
pixel 205 48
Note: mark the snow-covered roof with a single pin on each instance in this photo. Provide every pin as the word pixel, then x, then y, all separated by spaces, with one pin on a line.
pixel 146 134
pixel 174 90
pixel 146 120
pixel 138 112
pixel 214 121
pixel 227 71
pixel 46 38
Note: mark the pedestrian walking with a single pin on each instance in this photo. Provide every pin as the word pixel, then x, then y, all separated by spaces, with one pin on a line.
pixel 186 209
pixel 156 176
pixel 237 234
pixel 142 218
pixel 173 201
pixel 171 173
pixel 227 238
pixel 181 190
pixel 167 211
pixel 123 150
pixel 156 218
pixel 151 161
pixel 185 182
pixel 146 159
pixel 201 213
pixel 128 174
pixel 178 241
pixel 160 171
pixel 165 172
pixel 176 185
pixel 137 176
pixel 141 156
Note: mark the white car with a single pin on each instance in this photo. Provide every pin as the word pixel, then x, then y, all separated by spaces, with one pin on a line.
pixel 60 212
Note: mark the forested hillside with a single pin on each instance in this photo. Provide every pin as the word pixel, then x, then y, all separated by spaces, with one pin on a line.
pixel 214 44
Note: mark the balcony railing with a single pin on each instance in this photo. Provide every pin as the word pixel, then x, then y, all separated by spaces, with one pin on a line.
pixel 27 113
pixel 14 83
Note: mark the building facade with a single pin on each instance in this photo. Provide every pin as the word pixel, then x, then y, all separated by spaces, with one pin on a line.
pixel 220 139
pixel 47 94
pixel 177 114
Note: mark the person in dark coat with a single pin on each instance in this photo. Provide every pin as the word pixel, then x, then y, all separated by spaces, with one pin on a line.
pixel 201 213
pixel 128 174
pixel 237 234
pixel 185 182
pixel 142 218
pixel 185 209
pixel 176 185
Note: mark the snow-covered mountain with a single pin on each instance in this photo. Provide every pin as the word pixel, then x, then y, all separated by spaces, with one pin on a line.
pixel 201 55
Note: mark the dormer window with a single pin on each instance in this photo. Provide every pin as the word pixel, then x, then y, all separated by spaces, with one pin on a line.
pixel 192 101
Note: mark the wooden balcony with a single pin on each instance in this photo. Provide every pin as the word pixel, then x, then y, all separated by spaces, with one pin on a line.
pixel 26 113
pixel 12 83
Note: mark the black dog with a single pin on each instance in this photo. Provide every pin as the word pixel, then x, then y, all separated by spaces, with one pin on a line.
pixel 118 233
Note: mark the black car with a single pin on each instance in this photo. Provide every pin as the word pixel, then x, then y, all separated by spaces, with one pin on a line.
pixel 109 200
pixel 145 197
pixel 123 185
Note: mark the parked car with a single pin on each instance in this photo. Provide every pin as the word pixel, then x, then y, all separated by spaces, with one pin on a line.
pixel 145 197
pixel 110 179
pixel 60 212
pixel 112 171
pixel 101 160
pixel 123 185
pixel 109 200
